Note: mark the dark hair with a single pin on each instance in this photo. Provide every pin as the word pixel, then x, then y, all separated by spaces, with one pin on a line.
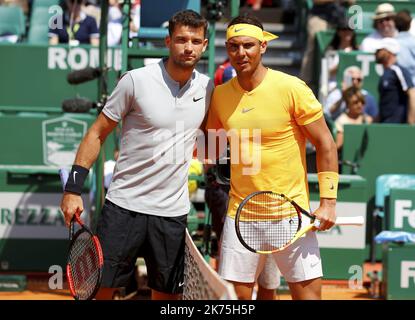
pixel 248 19
pixel 353 91
pixel 335 42
pixel 188 18
pixel 403 20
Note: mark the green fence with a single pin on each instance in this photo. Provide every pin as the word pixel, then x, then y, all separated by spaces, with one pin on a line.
pixel 378 149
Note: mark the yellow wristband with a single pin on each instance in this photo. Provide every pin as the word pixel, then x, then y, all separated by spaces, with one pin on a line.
pixel 328 182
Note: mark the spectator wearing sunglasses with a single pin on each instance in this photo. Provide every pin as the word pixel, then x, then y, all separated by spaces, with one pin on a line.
pixel 335 104
pixel 354 113
pixel 384 24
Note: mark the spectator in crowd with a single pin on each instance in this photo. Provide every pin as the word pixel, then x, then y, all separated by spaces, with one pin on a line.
pixel 135 18
pixel 224 73
pixel 323 14
pixel 396 90
pixel 257 4
pixel 406 55
pixel 78 27
pixel 344 40
pixel 384 25
pixel 114 23
pixel 335 105
pixel 354 113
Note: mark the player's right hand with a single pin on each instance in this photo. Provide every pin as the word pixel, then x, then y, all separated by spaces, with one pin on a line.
pixel 71 203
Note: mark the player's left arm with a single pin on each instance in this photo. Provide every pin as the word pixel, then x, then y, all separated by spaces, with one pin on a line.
pixel 320 136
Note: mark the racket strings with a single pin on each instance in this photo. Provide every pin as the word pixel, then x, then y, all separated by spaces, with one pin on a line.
pixel 85 266
pixel 268 222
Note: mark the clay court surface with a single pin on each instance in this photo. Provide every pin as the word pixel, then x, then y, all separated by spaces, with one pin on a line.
pixel 37 289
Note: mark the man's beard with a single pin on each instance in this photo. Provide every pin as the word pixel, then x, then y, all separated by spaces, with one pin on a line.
pixel 186 64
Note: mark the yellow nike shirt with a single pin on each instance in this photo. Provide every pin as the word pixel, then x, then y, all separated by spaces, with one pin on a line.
pixel 263 127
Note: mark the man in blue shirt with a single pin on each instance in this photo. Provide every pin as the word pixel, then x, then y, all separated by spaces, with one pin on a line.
pixel 406 55
pixel 396 90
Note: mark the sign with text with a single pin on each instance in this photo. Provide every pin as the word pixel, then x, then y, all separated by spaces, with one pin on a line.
pixel 401 210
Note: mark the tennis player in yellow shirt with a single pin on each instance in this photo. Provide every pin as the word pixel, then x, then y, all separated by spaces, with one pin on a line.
pixel 268 116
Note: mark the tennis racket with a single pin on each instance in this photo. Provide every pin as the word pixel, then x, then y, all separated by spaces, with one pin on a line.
pixel 268 222
pixel 85 259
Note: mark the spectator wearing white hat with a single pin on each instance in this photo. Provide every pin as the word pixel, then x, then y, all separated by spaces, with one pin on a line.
pixel 384 24
pixel 396 90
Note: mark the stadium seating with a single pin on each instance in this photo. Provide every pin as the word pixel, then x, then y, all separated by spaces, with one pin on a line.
pixel 387 181
pixel 154 16
pixel 38 34
pixel 384 184
pixel 44 3
pixel 39 25
pixel 12 20
pixel 40 16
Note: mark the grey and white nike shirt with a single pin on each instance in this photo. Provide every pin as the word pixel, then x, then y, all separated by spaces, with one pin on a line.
pixel 160 122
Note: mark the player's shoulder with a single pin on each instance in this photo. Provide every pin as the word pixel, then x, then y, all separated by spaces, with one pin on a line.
pixel 285 81
pixel 226 87
pixel 203 79
pixel 275 75
pixel 144 71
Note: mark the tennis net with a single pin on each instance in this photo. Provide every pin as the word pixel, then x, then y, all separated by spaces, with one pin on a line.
pixel 201 282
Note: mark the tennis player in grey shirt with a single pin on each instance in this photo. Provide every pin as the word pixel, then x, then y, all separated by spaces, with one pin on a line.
pixel 161 108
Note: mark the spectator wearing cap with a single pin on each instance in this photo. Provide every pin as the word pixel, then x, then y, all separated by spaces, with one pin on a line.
pixel 406 55
pixel 384 24
pixel 396 90
pixel 335 104
pixel 344 40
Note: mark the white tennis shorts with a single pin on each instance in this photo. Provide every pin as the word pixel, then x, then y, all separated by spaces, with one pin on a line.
pixel 269 278
pixel 299 262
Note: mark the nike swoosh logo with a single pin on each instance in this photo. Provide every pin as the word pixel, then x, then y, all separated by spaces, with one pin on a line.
pixel 312 265
pixel 245 110
pixel 74 173
pixel 331 184
pixel 196 100
pixel 240 29
pixel 181 284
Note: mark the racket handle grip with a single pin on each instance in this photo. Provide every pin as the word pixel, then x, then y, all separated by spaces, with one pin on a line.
pixel 345 221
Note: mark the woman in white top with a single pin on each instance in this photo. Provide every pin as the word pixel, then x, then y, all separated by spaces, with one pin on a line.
pixel 354 114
